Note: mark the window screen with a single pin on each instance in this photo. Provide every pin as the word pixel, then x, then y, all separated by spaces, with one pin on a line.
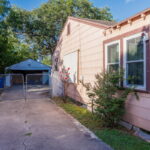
pixel 113 57
pixel 135 61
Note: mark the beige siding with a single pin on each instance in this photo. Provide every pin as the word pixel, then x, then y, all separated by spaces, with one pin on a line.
pixel 137 111
pixel 89 40
pixel 86 39
pixel 129 27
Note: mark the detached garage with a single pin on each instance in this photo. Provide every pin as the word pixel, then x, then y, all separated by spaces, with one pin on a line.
pixel 27 68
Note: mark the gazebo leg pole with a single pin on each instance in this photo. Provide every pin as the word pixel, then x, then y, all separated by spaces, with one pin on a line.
pixel 25 87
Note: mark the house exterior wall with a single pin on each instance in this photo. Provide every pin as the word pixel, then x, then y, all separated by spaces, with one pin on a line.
pixel 90 42
pixel 85 39
pixel 137 111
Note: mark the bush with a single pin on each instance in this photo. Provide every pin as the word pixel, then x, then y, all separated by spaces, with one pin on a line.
pixel 108 97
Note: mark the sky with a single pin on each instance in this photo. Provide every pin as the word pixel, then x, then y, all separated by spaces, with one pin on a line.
pixel 120 9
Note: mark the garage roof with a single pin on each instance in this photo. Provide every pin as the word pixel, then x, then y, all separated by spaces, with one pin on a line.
pixel 29 64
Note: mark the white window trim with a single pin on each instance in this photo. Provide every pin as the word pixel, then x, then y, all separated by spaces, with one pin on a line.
pixel 125 60
pixel 106 53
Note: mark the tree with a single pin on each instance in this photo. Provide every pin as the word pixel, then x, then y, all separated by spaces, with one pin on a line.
pixel 47 60
pixel 42 26
pixel 108 97
pixel 12 47
pixel 29 34
pixel 4 8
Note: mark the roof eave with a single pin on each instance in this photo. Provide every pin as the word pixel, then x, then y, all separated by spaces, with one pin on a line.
pixel 130 18
pixel 99 25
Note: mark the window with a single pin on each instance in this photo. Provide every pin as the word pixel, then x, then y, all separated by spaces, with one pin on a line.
pixel 135 61
pixel 112 56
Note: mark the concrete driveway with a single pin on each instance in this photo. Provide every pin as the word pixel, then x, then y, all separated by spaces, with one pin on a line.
pixel 12 93
pixel 41 125
pixel 17 92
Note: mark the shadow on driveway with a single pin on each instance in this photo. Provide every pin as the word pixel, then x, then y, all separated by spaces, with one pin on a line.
pixel 13 93
pixel 41 125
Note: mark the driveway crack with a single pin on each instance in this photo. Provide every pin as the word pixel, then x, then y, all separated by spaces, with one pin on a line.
pixel 25 146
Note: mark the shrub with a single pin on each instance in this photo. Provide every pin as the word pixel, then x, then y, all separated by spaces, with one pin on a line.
pixel 108 97
pixel 65 78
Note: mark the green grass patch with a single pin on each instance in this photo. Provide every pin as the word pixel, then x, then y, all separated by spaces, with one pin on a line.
pixel 119 138
pixel 28 134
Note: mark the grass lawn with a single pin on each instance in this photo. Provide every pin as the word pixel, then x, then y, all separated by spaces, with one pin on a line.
pixel 119 139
